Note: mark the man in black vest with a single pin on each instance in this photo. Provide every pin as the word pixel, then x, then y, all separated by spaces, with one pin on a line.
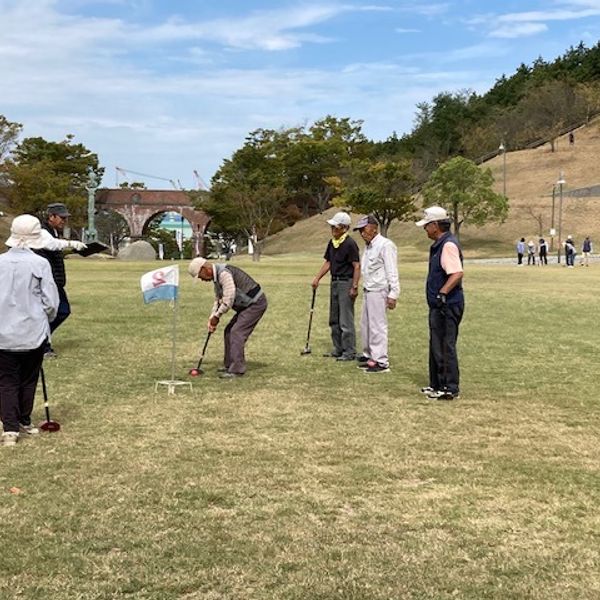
pixel 235 289
pixel 54 224
pixel 446 304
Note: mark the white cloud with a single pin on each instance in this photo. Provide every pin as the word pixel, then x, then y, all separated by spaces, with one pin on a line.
pixel 406 30
pixel 519 30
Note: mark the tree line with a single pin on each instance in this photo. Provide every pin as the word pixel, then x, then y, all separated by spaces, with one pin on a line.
pixel 280 176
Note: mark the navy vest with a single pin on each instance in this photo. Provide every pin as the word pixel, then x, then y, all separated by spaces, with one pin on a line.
pixel 437 277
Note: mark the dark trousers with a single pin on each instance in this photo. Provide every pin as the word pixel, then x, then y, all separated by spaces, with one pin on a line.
pixel 238 331
pixel 443 360
pixel 64 309
pixel 19 372
pixel 519 258
pixel 341 318
pixel 543 259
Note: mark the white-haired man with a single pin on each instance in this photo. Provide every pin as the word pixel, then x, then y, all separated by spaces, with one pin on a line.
pixel 343 262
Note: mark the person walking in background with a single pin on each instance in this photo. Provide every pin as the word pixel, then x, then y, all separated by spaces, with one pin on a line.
pixel 446 303
pixel 570 252
pixel 343 262
pixel 381 288
pixel 586 251
pixel 57 215
pixel 530 253
pixel 29 299
pixel 543 251
pixel 234 289
pixel 520 251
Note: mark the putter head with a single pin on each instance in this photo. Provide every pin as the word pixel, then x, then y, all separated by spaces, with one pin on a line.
pixel 50 426
pixel 306 351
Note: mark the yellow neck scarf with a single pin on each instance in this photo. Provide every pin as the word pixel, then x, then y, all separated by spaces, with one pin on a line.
pixel 337 243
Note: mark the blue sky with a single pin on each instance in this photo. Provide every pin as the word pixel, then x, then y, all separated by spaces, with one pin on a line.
pixel 166 87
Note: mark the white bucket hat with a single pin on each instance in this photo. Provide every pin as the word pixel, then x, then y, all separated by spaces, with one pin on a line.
pixel 433 214
pixel 26 232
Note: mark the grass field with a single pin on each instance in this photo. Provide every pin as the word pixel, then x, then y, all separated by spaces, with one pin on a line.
pixel 308 479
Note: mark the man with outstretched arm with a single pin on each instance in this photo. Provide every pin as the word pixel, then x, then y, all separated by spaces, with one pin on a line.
pixel 446 304
pixel 234 289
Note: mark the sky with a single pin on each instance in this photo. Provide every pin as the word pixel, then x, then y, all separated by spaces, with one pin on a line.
pixel 166 87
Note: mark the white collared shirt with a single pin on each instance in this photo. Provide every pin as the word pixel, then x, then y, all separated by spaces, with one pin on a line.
pixel 379 267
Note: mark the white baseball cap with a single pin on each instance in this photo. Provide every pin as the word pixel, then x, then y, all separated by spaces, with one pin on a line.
pixel 195 266
pixel 433 214
pixel 340 218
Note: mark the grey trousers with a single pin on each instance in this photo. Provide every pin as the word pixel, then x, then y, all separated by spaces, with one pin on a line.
pixel 238 331
pixel 374 327
pixel 341 318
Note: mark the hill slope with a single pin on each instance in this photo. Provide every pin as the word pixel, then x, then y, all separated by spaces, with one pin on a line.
pixel 530 175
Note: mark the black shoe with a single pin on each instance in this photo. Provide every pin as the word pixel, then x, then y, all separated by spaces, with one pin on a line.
pixel 344 358
pixel 377 369
pixel 362 359
pixel 228 375
pixel 443 395
pixel 427 390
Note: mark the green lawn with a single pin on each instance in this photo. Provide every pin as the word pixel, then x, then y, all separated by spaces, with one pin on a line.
pixel 308 479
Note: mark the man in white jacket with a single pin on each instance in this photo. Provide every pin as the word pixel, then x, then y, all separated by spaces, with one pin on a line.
pixel 381 288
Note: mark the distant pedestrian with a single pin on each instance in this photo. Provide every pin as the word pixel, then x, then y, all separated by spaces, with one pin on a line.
pixel 446 304
pixel 543 251
pixel 343 262
pixel 570 252
pixel 530 253
pixel 381 287
pixel 586 251
pixel 520 251
pixel 28 301
pixel 571 139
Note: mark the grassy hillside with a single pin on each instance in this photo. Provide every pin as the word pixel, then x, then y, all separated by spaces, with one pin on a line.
pixel 530 175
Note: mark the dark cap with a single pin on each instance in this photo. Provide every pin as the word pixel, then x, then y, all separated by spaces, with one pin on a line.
pixel 364 221
pixel 58 209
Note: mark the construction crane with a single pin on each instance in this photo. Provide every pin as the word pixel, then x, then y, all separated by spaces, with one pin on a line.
pixel 200 183
pixel 124 172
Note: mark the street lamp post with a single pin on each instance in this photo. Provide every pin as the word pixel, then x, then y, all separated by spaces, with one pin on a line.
pixel 92 186
pixel 552 230
pixel 561 181
pixel 502 148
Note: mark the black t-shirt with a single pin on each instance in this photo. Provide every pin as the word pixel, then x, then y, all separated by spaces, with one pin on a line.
pixel 341 258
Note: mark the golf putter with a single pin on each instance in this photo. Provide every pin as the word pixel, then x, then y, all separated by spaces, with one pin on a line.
pixel 47 425
pixel 307 349
pixel 198 371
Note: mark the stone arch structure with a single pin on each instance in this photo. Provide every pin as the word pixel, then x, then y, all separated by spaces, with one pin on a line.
pixel 138 207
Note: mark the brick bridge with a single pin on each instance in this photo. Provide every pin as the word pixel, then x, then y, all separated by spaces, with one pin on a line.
pixel 139 207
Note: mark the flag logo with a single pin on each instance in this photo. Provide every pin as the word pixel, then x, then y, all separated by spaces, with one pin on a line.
pixel 161 284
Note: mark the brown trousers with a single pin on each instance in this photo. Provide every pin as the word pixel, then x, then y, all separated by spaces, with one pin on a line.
pixel 238 331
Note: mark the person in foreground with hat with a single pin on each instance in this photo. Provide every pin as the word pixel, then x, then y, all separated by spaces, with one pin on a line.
pixel 343 262
pixel 446 304
pixel 28 300
pixel 381 288
pixel 54 226
pixel 234 289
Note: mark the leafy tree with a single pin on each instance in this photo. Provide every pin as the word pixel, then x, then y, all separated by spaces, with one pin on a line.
pixel 112 229
pixel 465 190
pixel 383 188
pixel 9 132
pixel 40 172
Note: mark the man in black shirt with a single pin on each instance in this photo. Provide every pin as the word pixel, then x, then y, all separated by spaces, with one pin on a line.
pixel 342 260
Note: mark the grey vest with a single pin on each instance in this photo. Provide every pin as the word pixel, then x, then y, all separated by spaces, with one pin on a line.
pixel 247 291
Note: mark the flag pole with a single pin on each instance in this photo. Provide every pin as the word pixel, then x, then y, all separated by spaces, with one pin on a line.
pixel 174 337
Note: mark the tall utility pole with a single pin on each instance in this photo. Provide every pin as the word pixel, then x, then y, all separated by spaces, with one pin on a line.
pixel 502 148
pixel 561 181
pixel 552 230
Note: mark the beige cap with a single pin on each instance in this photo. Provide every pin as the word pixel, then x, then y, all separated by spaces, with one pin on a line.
pixel 433 214
pixel 195 266
pixel 26 232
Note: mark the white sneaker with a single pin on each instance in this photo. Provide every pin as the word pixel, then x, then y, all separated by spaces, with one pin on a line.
pixel 10 438
pixel 427 390
pixel 28 429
